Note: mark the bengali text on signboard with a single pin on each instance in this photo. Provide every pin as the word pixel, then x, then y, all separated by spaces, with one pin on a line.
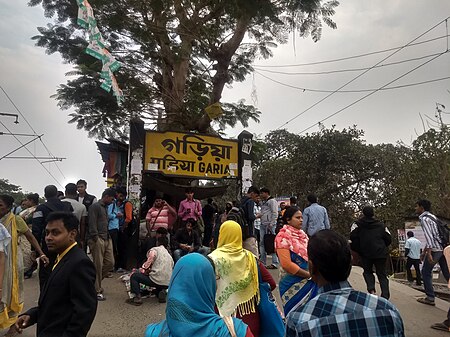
pixel 190 155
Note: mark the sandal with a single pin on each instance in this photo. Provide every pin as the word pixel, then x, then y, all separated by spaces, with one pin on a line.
pixel 133 302
pixel 440 326
pixel 425 300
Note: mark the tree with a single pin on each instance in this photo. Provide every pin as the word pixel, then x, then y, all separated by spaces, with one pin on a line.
pixel 10 189
pixel 177 56
pixel 425 173
pixel 337 166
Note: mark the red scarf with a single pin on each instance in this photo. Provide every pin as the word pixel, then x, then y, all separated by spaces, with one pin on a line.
pixel 293 239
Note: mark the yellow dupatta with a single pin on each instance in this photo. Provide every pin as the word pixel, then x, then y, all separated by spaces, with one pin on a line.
pixel 237 271
pixel 11 282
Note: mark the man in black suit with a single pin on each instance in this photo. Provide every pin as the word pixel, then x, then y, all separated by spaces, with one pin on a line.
pixel 68 302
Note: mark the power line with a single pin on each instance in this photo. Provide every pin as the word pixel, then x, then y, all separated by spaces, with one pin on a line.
pixel 345 70
pixel 31 127
pixel 356 91
pixel 31 153
pixel 363 73
pixel 355 56
pixel 22 145
pixel 371 93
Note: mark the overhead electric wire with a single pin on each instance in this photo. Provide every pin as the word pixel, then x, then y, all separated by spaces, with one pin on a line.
pixel 371 93
pixel 22 146
pixel 32 129
pixel 355 91
pixel 344 70
pixel 31 153
pixel 355 56
pixel 364 72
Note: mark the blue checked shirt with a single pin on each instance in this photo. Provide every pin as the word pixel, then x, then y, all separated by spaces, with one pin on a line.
pixel 339 310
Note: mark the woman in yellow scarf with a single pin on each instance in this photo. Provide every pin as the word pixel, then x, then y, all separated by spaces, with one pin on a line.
pixel 11 301
pixel 236 273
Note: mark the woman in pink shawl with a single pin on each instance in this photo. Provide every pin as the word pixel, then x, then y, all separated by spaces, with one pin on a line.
pixel 291 243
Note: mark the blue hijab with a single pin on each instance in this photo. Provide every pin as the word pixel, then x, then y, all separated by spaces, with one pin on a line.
pixel 190 303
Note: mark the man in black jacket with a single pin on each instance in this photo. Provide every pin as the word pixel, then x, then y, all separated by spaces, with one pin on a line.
pixel 248 206
pixel 67 303
pixel 371 238
pixel 39 222
pixel 87 200
pixel 186 240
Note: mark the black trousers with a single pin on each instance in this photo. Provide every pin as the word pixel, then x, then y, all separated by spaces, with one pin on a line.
pixel 207 234
pixel 416 263
pixel 380 270
pixel 123 243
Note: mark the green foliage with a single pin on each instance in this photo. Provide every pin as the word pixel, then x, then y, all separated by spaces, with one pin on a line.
pixel 426 172
pixel 346 173
pixel 177 56
pixel 13 190
pixel 339 167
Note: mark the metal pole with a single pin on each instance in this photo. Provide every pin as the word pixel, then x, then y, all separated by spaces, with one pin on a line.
pixel 11 115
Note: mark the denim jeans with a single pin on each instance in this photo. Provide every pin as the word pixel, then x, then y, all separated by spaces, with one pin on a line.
pixel 262 252
pixel 138 278
pixel 427 272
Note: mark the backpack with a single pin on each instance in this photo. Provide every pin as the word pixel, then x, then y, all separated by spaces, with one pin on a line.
pixel 237 214
pixel 243 207
pixel 443 230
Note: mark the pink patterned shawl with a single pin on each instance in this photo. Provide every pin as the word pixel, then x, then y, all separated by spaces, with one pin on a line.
pixel 293 239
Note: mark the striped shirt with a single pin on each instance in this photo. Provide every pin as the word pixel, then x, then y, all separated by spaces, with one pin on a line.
pixel 158 218
pixel 339 310
pixel 431 232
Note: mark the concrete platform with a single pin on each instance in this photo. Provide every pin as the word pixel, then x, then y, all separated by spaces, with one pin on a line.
pixel 116 318
pixel 417 317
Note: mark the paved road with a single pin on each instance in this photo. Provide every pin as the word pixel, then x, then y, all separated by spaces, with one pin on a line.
pixel 116 318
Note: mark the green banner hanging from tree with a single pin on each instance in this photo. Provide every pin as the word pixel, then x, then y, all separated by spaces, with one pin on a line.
pixel 97 49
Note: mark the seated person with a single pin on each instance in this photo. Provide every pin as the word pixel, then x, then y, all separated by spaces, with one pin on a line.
pixel 187 240
pixel 155 272
pixel 338 309
pixel 152 242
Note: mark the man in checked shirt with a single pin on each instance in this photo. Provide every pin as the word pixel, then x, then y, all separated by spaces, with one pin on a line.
pixel 338 309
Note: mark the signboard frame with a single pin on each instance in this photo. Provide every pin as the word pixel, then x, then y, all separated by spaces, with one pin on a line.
pixel 191 155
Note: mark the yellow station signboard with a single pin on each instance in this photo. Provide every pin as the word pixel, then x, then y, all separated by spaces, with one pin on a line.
pixel 190 155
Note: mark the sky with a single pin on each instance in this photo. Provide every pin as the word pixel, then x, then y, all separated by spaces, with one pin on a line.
pixel 30 77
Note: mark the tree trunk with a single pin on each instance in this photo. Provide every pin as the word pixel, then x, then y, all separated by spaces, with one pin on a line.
pixel 223 57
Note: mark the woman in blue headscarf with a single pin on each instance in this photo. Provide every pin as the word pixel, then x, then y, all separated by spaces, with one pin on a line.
pixel 190 304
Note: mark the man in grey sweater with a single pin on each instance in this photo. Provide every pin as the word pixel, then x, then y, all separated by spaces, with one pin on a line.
pixel 98 239
pixel 268 215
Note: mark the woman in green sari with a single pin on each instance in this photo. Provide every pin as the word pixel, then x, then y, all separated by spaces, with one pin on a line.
pixel 11 302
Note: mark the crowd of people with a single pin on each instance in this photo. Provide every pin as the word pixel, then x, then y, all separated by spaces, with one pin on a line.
pixel 210 267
